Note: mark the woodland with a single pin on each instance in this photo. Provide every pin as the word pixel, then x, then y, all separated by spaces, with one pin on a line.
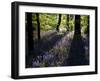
pixel 54 40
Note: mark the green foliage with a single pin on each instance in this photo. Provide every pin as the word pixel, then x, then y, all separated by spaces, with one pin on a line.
pixel 84 24
pixel 34 22
pixel 71 25
pixel 62 26
pixel 49 22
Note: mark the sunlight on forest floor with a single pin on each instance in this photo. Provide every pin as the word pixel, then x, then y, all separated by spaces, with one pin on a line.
pixel 56 39
pixel 55 56
pixel 58 53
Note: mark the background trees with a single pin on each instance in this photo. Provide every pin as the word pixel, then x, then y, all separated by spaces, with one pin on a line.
pixel 44 22
pixel 85 24
pixel 64 37
pixel 38 25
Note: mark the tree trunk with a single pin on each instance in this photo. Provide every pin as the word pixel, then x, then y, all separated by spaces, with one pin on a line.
pixel 67 22
pixel 88 26
pixel 77 51
pixel 29 31
pixel 38 25
pixel 59 21
pixel 77 25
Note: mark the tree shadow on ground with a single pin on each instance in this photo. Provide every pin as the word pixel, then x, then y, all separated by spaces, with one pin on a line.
pixel 47 43
pixel 76 54
pixel 43 45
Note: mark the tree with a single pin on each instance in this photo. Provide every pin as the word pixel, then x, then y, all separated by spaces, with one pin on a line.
pixel 38 25
pixel 88 26
pixel 77 51
pixel 85 24
pixel 59 21
pixel 67 22
pixel 77 25
pixel 29 30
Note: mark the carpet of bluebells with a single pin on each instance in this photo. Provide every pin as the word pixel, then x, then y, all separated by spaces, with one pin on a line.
pixel 54 48
pixel 56 55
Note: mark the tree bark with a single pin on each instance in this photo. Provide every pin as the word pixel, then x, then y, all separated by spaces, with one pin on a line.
pixel 77 50
pixel 67 22
pixel 77 25
pixel 59 21
pixel 88 26
pixel 29 31
pixel 38 25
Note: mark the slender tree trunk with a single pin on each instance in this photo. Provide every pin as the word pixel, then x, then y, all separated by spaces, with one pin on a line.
pixel 38 25
pixel 59 21
pixel 77 25
pixel 29 31
pixel 67 22
pixel 88 26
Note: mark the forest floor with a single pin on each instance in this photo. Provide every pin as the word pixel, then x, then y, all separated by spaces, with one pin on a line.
pixel 60 49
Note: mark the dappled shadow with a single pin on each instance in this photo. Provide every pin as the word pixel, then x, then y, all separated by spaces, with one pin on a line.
pixel 76 54
pixel 43 45
pixel 47 43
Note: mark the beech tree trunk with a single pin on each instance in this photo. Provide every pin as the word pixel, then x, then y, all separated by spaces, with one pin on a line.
pixel 38 25
pixel 88 26
pixel 29 30
pixel 67 22
pixel 59 21
pixel 77 25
